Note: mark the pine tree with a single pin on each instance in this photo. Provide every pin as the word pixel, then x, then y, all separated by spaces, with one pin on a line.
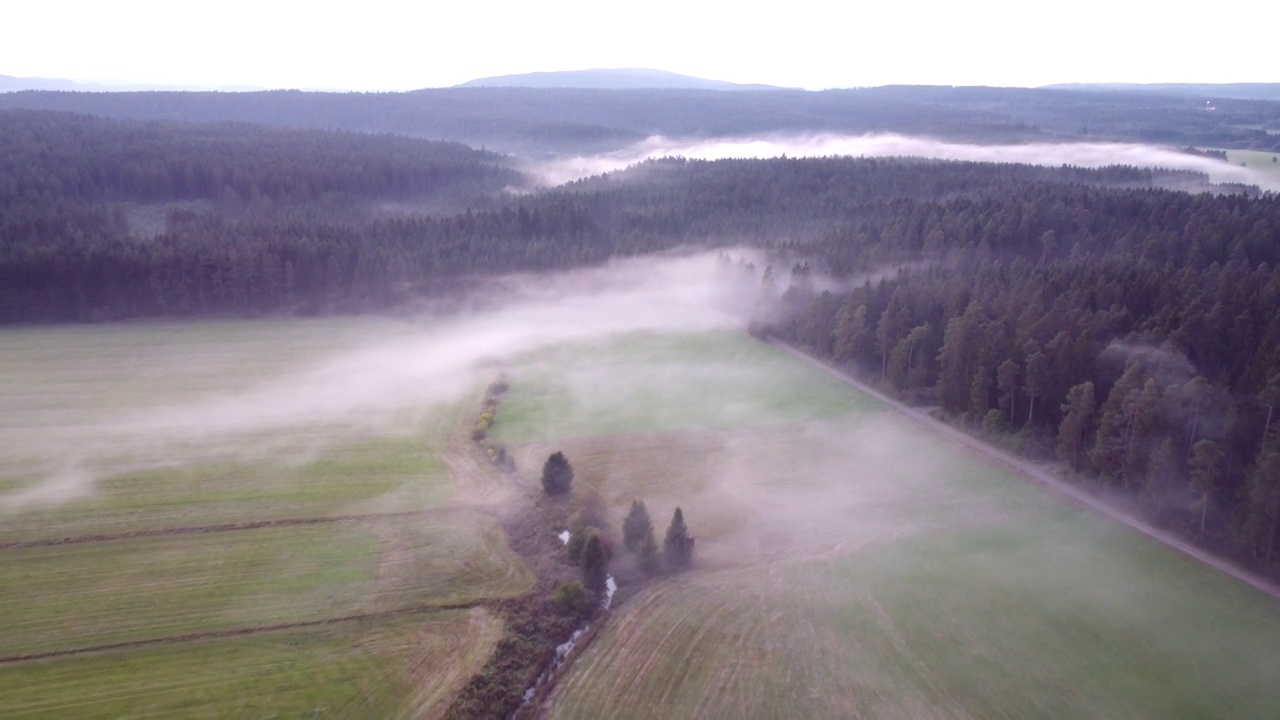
pixel 595 561
pixel 637 526
pixel 1077 414
pixel 1262 501
pixel 1206 468
pixel 557 474
pixel 1163 475
pixel 678 545
pixel 1007 383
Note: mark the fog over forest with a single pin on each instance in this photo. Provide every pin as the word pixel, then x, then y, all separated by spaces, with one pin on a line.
pixel 1079 154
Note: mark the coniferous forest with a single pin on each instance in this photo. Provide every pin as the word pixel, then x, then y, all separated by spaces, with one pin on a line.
pixel 1121 320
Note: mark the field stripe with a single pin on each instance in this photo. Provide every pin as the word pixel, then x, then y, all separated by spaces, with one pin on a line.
pixel 235 632
pixel 201 529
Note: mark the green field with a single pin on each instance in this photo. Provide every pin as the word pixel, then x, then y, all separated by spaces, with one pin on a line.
pixel 210 430
pixel 851 564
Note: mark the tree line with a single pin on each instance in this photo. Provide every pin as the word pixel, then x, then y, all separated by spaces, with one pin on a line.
pixel 1131 333
pixel 268 239
pixel 586 120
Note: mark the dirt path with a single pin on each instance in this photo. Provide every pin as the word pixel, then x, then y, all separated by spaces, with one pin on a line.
pixel 1047 479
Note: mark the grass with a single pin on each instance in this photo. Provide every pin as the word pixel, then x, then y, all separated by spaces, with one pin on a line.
pixel 94 594
pixel 1260 162
pixel 402 668
pixel 852 564
pixel 647 382
pixel 170 425
pixel 347 478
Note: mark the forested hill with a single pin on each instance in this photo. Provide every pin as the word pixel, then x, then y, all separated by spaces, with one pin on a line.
pixel 69 251
pixel 49 158
pixel 585 119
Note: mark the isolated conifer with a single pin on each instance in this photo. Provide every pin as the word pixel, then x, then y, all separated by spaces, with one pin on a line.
pixel 637 526
pixel 595 561
pixel 678 545
pixel 557 474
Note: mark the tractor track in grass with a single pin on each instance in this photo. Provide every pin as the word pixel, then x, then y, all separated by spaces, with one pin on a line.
pixel 236 632
pixel 205 529
pixel 1056 485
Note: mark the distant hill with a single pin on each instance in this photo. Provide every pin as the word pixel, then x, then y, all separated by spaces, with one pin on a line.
pixel 612 79
pixel 1208 91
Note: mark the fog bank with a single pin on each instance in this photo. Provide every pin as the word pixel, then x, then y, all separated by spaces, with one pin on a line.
pixel 1081 154
pixel 380 387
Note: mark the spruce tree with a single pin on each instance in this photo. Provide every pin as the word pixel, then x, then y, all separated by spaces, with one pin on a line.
pixel 637 526
pixel 595 561
pixel 678 545
pixel 557 474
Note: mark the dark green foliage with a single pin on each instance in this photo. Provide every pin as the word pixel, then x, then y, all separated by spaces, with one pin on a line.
pixel 534 627
pixel 595 561
pixel 1206 469
pixel 995 422
pixel 637 526
pixel 1077 415
pixel 557 474
pixel 677 547
pixel 572 599
pixel 577 538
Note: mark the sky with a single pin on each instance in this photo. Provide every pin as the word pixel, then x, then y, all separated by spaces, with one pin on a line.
pixel 385 45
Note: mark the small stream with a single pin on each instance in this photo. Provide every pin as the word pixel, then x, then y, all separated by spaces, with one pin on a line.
pixel 566 647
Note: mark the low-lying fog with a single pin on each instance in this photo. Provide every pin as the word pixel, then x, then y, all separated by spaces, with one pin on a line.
pixel 1081 154
pixel 378 387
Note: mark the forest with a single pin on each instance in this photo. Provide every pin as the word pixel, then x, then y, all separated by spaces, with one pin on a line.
pixel 1120 318
pixel 258 220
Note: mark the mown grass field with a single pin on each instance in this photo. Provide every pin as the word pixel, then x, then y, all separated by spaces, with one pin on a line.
pixel 852 565
pixel 108 430
pixel 1256 159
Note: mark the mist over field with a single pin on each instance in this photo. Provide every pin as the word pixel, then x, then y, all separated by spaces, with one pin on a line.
pixel 1082 154
pixel 372 386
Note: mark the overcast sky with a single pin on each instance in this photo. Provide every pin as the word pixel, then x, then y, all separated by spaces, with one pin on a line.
pixel 379 44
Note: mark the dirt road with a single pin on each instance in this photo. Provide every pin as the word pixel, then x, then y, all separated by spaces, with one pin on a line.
pixel 1038 474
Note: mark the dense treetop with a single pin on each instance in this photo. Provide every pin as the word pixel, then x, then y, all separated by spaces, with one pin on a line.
pixel 48 158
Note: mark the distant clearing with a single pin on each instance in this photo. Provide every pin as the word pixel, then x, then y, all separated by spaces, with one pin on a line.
pixel 1259 162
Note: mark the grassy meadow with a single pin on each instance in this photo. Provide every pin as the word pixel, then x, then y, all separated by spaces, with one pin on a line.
pixel 112 430
pixel 850 564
